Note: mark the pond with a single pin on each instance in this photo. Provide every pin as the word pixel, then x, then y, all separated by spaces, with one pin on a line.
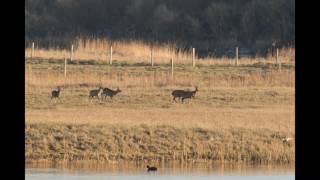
pixel 165 171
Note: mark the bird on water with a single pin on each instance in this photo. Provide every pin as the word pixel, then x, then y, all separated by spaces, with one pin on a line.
pixel 151 168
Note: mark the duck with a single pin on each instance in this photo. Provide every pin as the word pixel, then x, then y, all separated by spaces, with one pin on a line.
pixel 151 168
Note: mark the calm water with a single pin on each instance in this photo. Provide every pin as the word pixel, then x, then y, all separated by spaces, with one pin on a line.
pixel 170 172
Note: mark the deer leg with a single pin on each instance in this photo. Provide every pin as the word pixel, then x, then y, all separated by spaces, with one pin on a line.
pixel 174 98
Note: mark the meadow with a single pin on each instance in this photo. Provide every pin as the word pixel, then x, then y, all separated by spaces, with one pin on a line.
pixel 240 113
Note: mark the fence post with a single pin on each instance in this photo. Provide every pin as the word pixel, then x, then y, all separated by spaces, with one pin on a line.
pixel 32 50
pixel 151 56
pixel 278 60
pixel 171 67
pixel 193 57
pixel 280 65
pixel 71 53
pixel 154 76
pixel 277 56
pixel 65 67
pixel 110 55
pixel 30 71
pixel 237 55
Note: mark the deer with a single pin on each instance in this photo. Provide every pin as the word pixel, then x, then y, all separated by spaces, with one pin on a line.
pixel 95 92
pixel 194 92
pixel 188 94
pixel 55 93
pixel 177 94
pixel 184 94
pixel 109 92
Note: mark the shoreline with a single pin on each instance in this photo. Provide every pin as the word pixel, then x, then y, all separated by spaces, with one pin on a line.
pixel 109 143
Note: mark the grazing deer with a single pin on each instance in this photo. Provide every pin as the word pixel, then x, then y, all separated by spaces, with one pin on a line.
pixel 55 93
pixel 184 94
pixel 95 93
pixel 109 92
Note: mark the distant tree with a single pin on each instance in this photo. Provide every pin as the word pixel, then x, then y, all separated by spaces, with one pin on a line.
pixel 207 23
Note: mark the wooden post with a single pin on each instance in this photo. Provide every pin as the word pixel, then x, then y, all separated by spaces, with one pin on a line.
pixel 30 71
pixel 279 60
pixel 155 76
pixel 193 57
pixel 171 68
pixel 277 56
pixel 151 56
pixel 279 65
pixel 32 50
pixel 184 150
pixel 71 53
pixel 65 67
pixel 237 55
pixel 110 55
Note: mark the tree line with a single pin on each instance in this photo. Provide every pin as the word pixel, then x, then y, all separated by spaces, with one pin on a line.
pixel 206 24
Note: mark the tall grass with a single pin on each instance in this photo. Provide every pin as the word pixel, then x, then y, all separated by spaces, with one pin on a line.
pixel 253 101
pixel 209 77
pixel 63 142
pixel 139 51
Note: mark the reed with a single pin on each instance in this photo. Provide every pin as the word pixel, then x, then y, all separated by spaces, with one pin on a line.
pixel 69 143
pixel 139 52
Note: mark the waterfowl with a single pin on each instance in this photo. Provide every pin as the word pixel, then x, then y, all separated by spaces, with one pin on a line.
pixel 151 168
pixel 286 139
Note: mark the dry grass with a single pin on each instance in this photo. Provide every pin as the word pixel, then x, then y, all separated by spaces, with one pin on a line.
pixel 227 97
pixel 63 142
pixel 253 102
pixel 140 52
pixel 273 118
pixel 46 74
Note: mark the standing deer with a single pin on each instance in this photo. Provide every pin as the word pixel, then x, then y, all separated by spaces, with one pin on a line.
pixel 184 94
pixel 95 93
pixel 109 92
pixel 177 94
pixel 194 92
pixel 55 93
pixel 188 94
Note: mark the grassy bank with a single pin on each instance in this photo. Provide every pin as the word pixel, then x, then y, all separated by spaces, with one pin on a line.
pixel 70 142
pixel 239 113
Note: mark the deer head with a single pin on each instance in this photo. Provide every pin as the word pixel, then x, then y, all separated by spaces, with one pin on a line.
pixel 118 90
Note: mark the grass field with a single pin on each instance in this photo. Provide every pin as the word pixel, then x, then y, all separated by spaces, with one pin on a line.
pixel 239 113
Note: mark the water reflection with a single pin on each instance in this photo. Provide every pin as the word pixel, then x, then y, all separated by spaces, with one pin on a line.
pixel 163 169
